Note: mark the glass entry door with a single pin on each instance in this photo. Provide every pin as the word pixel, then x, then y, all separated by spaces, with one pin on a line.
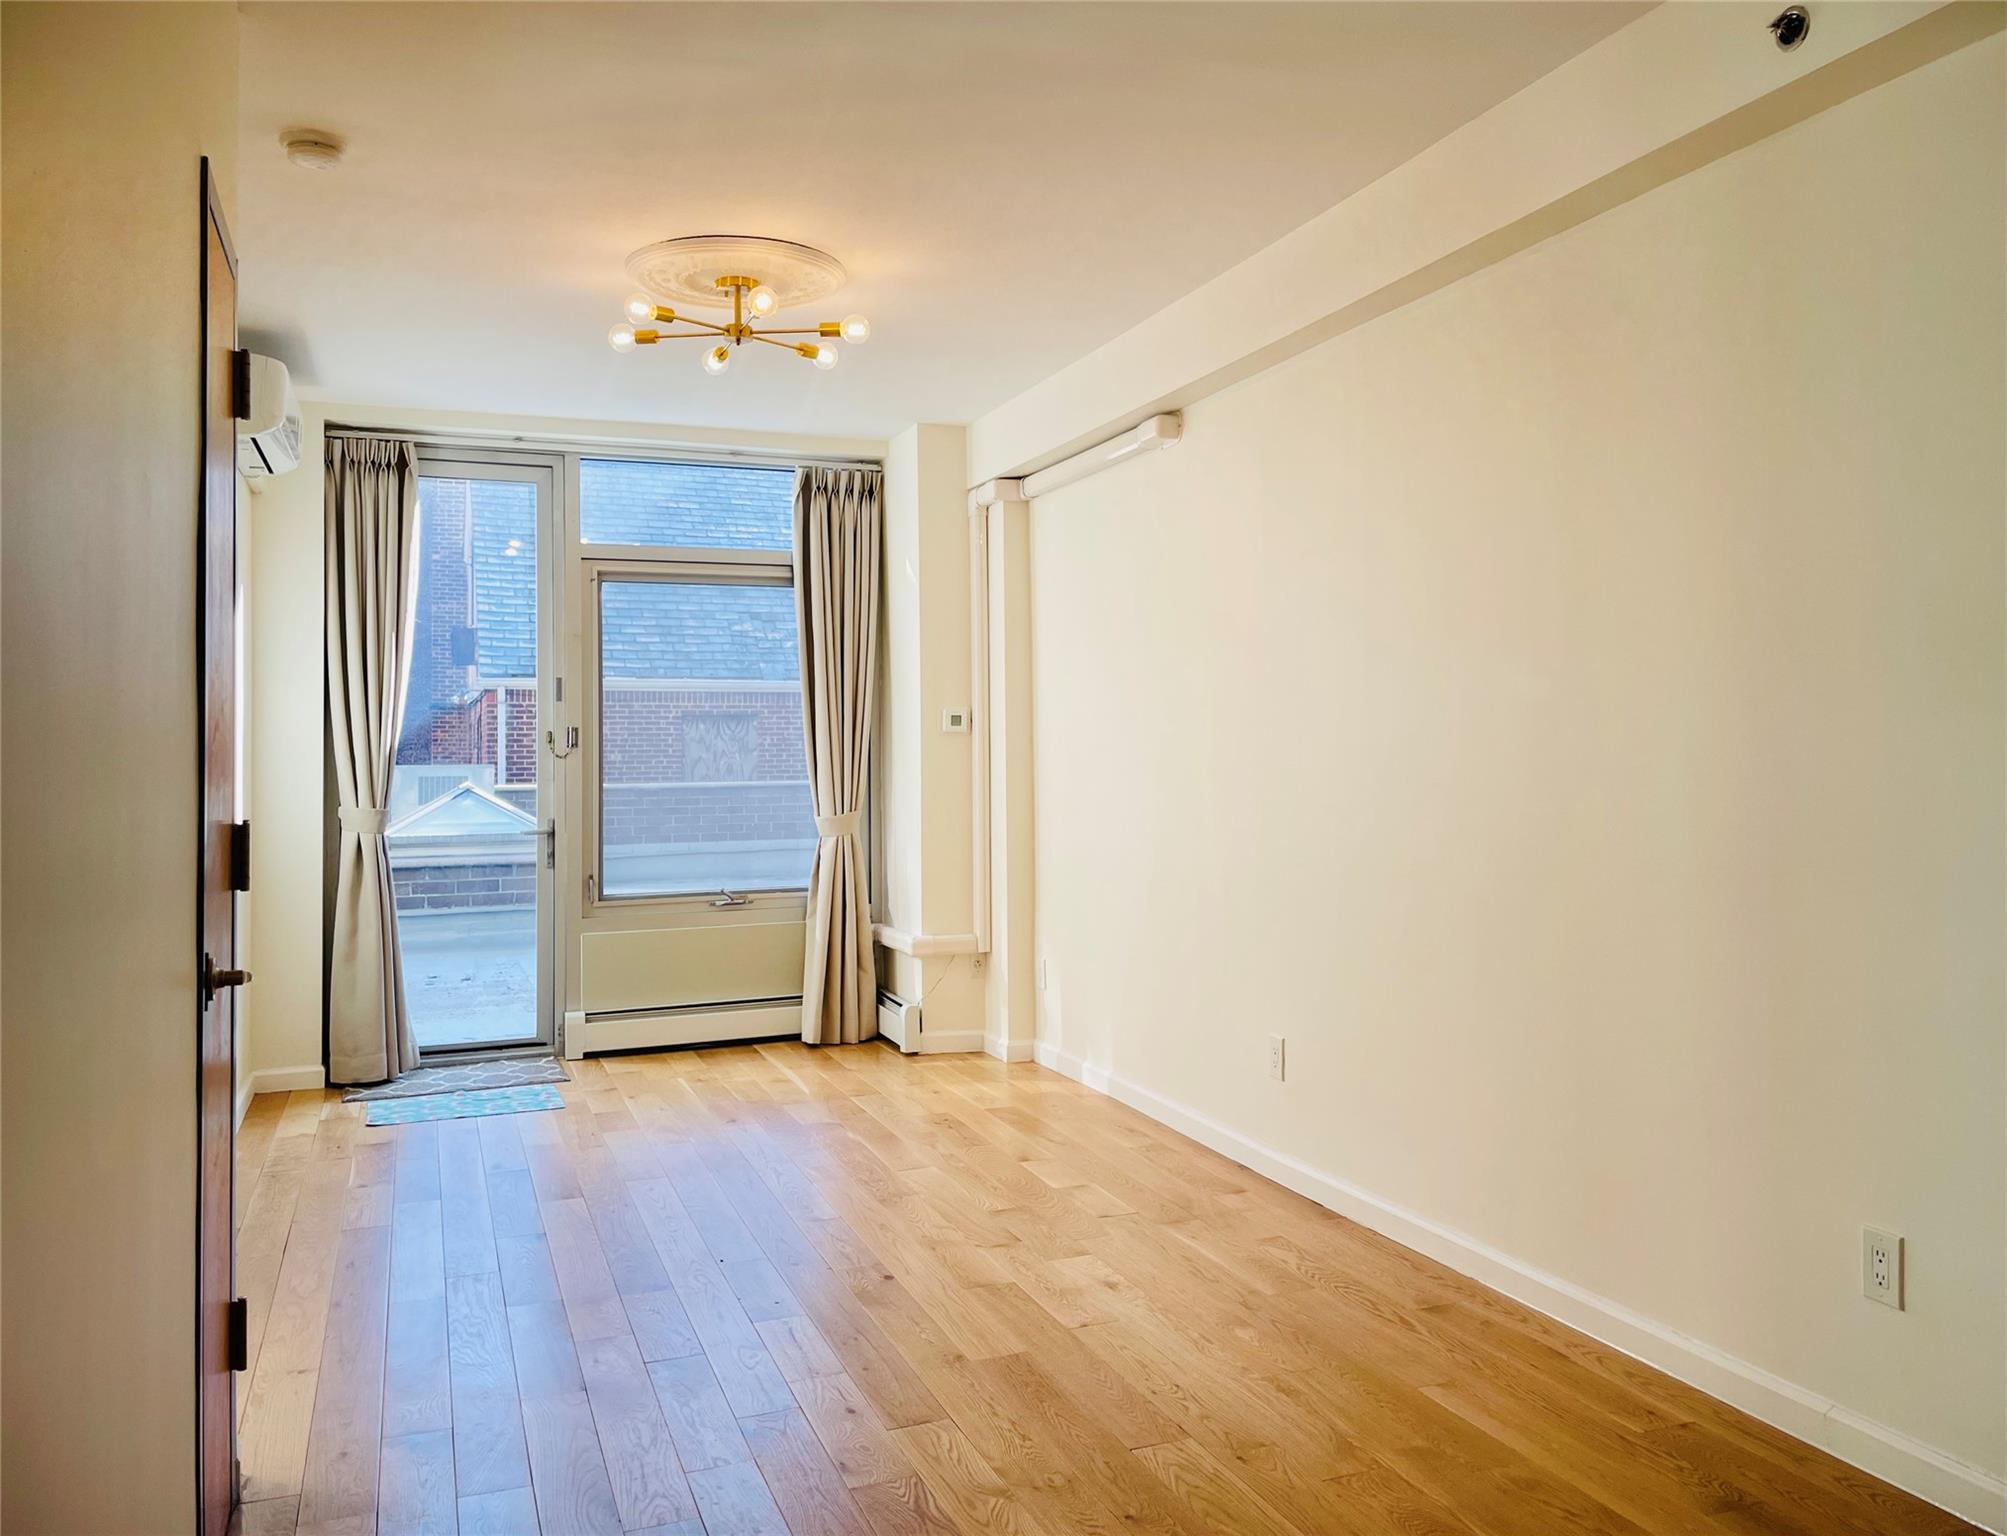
pixel 470 829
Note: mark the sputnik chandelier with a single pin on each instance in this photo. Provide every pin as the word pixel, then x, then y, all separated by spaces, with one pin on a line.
pixel 756 276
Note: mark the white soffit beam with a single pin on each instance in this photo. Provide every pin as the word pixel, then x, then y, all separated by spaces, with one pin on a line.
pixel 1680 87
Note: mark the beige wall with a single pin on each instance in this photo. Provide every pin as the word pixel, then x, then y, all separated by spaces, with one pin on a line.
pixel 288 709
pixel 1570 709
pixel 107 110
pixel 922 772
pixel 896 747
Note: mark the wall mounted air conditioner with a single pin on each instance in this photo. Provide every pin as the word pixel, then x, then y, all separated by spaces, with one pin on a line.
pixel 269 436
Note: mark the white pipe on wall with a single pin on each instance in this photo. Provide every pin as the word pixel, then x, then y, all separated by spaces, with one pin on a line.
pixel 980 501
pixel 1146 437
pixel 1158 432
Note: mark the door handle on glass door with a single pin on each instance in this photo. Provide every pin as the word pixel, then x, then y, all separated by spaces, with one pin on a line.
pixel 550 843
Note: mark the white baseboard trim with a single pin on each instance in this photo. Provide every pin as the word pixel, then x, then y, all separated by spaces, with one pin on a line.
pixel 277 1080
pixel 1967 1491
pixel 288 1079
pixel 945 1042
pixel 574 1035
pixel 1009 1050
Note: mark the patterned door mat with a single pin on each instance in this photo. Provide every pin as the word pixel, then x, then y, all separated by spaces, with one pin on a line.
pixel 463 1077
pixel 463 1106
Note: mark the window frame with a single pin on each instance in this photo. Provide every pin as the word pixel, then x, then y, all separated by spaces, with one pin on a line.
pixel 668 566
pixel 442 460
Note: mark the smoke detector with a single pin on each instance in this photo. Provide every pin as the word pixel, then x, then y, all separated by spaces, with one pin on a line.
pixel 314 148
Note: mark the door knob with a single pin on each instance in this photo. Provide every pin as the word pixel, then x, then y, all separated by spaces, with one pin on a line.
pixel 215 978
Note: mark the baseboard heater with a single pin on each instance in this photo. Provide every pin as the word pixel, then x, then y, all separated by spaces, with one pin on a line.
pixel 899 1021
pixel 692 1024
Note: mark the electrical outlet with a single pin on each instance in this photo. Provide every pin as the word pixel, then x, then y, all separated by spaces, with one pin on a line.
pixel 1044 974
pixel 1275 1063
pixel 1881 1267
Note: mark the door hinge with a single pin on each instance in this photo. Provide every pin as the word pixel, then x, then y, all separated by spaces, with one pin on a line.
pixel 240 1334
pixel 240 384
pixel 240 855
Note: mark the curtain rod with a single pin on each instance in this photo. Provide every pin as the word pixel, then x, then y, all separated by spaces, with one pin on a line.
pixel 522 442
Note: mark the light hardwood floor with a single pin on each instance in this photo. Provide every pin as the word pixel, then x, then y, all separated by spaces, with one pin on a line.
pixel 767 1290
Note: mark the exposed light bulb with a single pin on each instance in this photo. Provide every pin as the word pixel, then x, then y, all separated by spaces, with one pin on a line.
pixel 825 358
pixel 640 308
pixel 856 328
pixel 763 301
pixel 621 338
pixel 718 359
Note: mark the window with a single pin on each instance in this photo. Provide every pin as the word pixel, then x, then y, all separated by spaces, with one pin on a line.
pixel 689 506
pixel 702 777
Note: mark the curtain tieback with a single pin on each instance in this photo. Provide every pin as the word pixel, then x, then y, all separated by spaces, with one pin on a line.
pixel 363 820
pixel 847 825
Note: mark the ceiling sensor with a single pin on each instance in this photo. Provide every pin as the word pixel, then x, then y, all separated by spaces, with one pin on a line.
pixel 316 150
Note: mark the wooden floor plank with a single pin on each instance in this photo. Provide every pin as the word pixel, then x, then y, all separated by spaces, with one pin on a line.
pixel 506 1512
pixel 700 1421
pixel 415 1494
pixel 1208 1487
pixel 591 1300
pixel 798 1349
pixel 906 1506
pixel 567 1467
pixel 488 1451
pixel 641 1462
pixel 775 1291
pixel 848 1427
pixel 339 1480
pixel 417 1386
pixel 966 1485
pixel 468 1235
pixel 736 1502
pixel 267 1517
pixel 812 1498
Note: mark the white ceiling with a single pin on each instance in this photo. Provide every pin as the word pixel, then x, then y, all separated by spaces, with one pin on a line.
pixel 1010 185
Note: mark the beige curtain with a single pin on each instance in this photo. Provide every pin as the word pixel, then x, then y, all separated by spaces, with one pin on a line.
pixel 836 523
pixel 372 577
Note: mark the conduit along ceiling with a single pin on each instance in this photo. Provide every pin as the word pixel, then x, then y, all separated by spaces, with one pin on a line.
pixel 1009 186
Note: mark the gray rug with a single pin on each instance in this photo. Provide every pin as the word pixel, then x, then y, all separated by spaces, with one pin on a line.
pixel 464 1077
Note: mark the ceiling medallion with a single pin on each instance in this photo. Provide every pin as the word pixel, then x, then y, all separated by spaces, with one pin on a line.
pixel 755 276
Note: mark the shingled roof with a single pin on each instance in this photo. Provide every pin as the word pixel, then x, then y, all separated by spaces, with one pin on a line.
pixel 649 630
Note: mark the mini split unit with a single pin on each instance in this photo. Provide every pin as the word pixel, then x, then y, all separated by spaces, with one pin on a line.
pixel 269 435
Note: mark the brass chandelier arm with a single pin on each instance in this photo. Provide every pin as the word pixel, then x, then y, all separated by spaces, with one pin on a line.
pixel 752 301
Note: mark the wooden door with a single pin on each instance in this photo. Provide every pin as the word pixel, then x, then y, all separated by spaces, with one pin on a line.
pixel 224 852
